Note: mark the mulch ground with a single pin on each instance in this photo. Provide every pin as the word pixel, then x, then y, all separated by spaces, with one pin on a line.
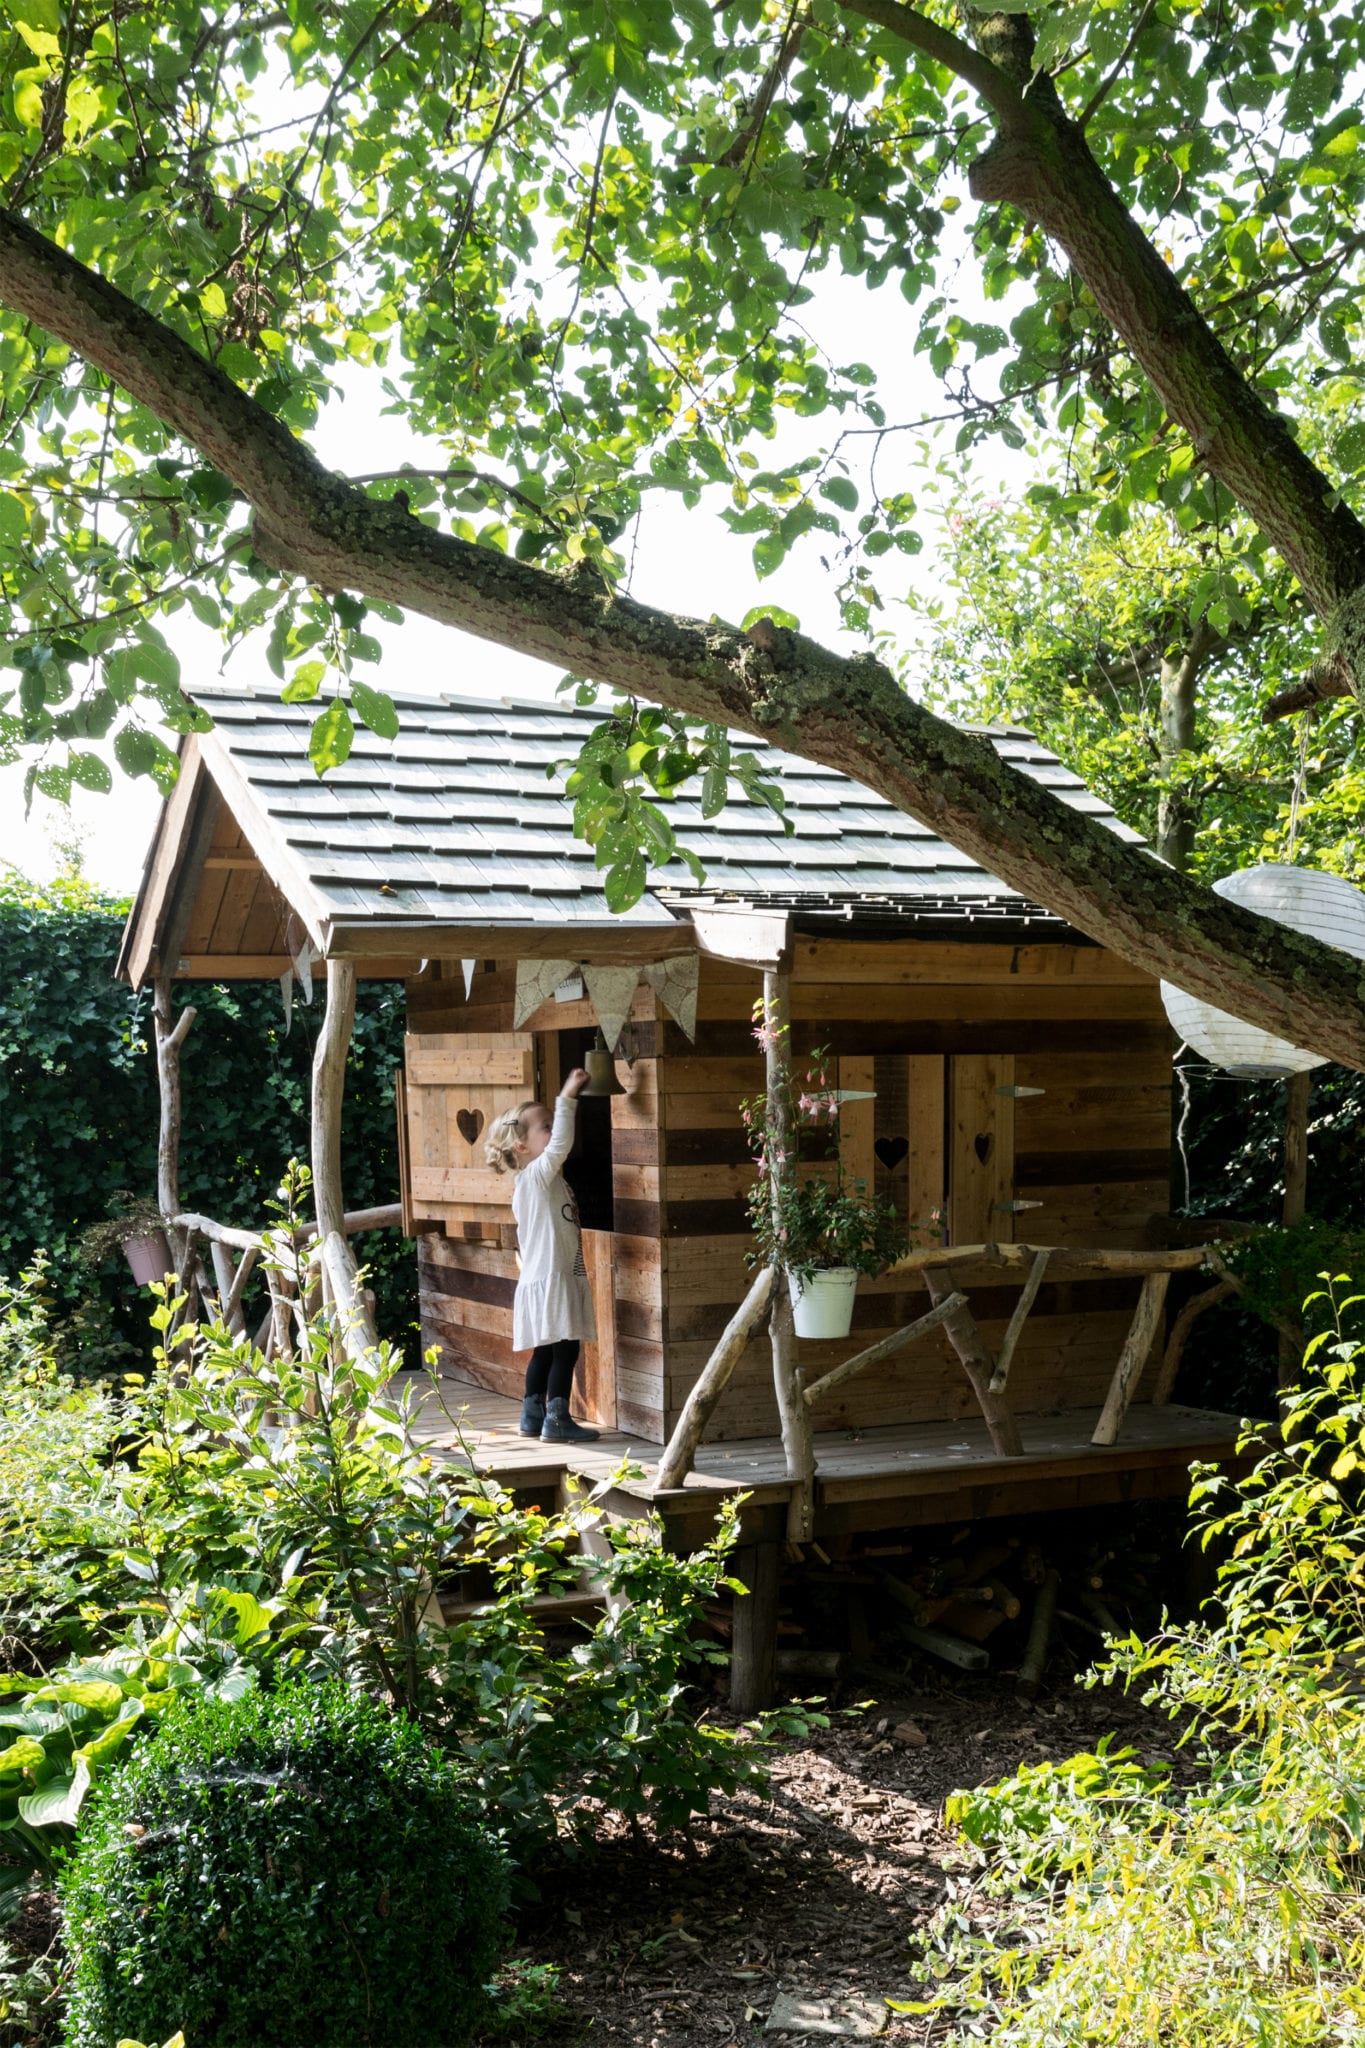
pixel 815 1890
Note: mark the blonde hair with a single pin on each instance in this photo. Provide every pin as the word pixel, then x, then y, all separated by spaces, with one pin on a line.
pixel 504 1133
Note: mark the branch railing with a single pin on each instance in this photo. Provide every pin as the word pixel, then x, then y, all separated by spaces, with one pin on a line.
pixel 327 1280
pixel 947 1271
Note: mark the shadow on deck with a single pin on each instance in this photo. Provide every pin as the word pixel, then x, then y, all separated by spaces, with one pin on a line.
pixel 892 1477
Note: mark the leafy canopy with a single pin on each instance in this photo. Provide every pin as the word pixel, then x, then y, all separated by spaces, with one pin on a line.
pixel 583 251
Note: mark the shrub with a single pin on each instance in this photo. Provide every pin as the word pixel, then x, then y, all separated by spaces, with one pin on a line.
pixel 60 1510
pixel 314 1548
pixel 1110 1905
pixel 282 1869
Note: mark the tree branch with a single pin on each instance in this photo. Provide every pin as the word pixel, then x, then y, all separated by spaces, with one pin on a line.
pixel 1040 163
pixel 849 714
pixel 999 92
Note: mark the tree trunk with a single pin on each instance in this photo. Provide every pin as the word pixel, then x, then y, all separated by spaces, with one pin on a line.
pixel 849 714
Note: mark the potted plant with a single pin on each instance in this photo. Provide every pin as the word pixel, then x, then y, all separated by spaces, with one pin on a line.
pixel 136 1228
pixel 818 1224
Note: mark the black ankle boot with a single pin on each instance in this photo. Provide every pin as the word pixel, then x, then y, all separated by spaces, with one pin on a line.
pixel 532 1415
pixel 560 1427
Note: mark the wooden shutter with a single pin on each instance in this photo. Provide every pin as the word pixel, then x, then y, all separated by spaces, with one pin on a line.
pixel 981 1138
pixel 455 1084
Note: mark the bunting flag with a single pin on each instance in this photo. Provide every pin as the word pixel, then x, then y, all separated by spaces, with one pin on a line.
pixel 468 967
pixel 537 981
pixel 300 950
pixel 287 992
pixel 611 991
pixel 674 982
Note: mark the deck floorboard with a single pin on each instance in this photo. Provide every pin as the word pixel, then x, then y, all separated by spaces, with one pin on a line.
pixel 471 1425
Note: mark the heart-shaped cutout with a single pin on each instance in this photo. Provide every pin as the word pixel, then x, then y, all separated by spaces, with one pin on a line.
pixel 891 1151
pixel 469 1123
pixel 983 1145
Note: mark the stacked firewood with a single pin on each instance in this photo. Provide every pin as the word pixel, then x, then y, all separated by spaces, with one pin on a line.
pixel 979 1597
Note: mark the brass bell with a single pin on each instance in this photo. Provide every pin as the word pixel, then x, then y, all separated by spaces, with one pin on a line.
pixel 601 1070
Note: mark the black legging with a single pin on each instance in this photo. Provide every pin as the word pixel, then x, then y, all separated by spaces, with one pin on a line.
pixel 549 1376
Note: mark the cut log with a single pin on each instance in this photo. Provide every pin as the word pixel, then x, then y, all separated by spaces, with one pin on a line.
pixel 1034 1664
pixel 1166 1378
pixel 949 1649
pixel 887 1347
pixel 978 1365
pixel 676 1462
pixel 1005 1356
pixel 1133 1357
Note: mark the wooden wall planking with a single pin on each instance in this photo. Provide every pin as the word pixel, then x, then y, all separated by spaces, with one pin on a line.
pixel 942 1029
pixel 933 1025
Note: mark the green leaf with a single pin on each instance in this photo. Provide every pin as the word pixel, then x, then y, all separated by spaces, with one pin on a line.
pixel 376 708
pixel 841 491
pixel 330 741
pixel 305 682
pixel 136 752
pixel 624 885
pixel 58 1803
pixel 90 772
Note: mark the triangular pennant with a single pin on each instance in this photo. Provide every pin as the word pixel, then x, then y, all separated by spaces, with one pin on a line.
pixel 611 991
pixel 537 981
pixel 287 991
pixel 300 950
pixel 674 982
pixel 468 967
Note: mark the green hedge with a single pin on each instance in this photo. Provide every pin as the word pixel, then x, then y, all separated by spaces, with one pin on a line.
pixel 78 1105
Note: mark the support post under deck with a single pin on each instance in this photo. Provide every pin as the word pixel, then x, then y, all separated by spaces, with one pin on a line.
pixel 753 1658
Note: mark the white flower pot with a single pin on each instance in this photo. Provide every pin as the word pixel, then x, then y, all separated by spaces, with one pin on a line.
pixel 822 1306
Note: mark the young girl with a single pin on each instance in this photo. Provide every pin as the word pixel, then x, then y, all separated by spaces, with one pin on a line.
pixel 552 1307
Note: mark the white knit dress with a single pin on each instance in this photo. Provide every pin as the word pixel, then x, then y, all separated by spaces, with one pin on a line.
pixel 553 1300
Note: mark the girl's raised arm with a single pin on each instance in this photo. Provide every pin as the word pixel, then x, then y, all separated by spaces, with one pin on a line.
pixel 562 1129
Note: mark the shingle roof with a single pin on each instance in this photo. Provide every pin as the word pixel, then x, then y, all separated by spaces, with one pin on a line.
pixel 458 822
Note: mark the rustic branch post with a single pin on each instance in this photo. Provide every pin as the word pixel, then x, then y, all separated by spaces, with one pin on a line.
pixel 977 1363
pixel 354 1327
pixel 797 1438
pixel 170 1033
pixel 885 1348
pixel 1175 1344
pixel 1137 1347
pixel 1005 1357
pixel 676 1462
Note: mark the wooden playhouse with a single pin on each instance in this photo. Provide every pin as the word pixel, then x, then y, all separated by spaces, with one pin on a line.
pixel 1010 1072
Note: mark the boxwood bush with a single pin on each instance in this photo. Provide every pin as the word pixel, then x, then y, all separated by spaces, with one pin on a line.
pixel 278 1869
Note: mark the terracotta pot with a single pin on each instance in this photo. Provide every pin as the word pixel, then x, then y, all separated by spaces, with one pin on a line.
pixel 822 1305
pixel 149 1258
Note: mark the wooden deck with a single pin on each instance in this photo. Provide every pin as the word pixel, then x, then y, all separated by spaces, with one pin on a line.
pixel 865 1479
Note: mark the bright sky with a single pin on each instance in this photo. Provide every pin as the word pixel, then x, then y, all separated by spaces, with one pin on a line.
pixel 685 561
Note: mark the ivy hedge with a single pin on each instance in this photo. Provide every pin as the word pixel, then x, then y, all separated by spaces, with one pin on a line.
pixel 79 1111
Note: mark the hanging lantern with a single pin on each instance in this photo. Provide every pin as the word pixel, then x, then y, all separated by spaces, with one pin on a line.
pixel 1325 907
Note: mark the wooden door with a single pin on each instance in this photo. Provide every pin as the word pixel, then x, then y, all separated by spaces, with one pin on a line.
pixel 595 1381
pixel 455 1084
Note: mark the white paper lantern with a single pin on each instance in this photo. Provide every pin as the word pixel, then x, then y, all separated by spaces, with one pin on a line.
pixel 1323 907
